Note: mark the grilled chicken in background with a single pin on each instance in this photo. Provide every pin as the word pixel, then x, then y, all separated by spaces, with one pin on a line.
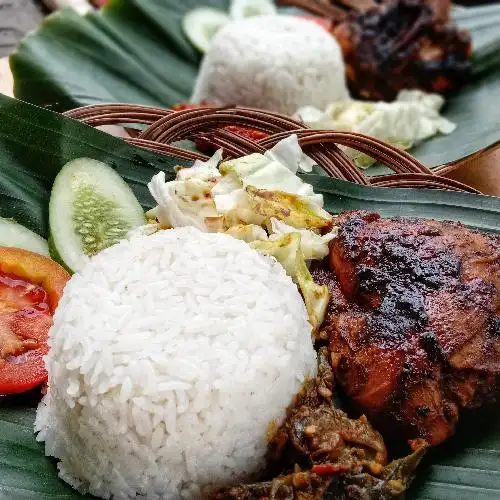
pixel 390 45
pixel 413 324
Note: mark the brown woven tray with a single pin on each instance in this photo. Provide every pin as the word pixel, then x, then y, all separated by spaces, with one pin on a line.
pixel 166 127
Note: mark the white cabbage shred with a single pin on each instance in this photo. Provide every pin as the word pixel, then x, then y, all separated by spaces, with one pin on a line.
pixel 289 153
pixel 412 118
pixel 288 252
pixel 250 190
pixel 314 246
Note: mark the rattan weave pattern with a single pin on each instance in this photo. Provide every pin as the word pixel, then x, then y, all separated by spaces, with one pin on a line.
pixel 166 127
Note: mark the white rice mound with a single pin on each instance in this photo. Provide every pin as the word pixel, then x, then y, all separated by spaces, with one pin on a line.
pixel 171 357
pixel 279 63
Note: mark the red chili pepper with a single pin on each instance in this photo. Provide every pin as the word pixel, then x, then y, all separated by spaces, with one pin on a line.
pixel 247 133
pixel 205 146
pixel 184 106
pixel 327 469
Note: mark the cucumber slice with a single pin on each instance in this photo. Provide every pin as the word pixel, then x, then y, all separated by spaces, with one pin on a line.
pixel 13 234
pixel 91 208
pixel 200 26
pixel 240 9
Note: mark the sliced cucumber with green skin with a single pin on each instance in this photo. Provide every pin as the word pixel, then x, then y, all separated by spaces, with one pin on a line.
pixel 201 25
pixel 91 208
pixel 241 9
pixel 15 235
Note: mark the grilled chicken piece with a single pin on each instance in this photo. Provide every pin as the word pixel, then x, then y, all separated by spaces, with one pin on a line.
pixel 391 45
pixel 413 324
pixel 403 45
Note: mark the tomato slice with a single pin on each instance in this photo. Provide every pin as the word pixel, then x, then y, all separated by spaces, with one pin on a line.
pixel 30 288
pixel 24 344
pixel 17 294
pixel 35 269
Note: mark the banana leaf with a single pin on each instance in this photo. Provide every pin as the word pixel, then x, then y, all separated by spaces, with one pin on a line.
pixel 35 143
pixel 135 51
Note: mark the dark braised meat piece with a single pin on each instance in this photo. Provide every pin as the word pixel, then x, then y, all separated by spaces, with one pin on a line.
pixel 391 45
pixel 328 484
pixel 413 324
pixel 319 453
pixel 297 486
pixel 315 432
pixel 401 45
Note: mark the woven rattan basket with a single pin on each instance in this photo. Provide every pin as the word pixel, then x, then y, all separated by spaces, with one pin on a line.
pixel 166 127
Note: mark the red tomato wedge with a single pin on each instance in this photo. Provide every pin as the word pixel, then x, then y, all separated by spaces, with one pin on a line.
pixel 30 288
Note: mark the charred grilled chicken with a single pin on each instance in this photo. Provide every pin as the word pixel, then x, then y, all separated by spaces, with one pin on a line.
pixel 413 324
pixel 390 45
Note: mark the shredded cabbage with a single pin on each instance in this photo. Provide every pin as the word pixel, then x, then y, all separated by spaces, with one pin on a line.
pixel 247 232
pixel 257 187
pixel 289 153
pixel 412 118
pixel 287 252
pixel 184 203
pixel 203 170
pixel 314 246
pixel 261 172
pixel 250 190
pixel 292 209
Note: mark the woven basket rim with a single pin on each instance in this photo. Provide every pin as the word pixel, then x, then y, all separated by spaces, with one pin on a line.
pixel 165 127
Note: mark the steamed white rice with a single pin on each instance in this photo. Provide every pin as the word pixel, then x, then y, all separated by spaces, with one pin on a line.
pixel 172 356
pixel 279 63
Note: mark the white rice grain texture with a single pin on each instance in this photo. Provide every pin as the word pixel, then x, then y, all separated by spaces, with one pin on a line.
pixel 170 357
pixel 279 63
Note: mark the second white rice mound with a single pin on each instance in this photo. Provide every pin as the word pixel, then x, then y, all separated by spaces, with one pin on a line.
pixel 278 63
pixel 172 356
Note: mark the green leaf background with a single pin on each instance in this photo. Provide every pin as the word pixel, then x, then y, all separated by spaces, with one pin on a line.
pixel 35 143
pixel 134 51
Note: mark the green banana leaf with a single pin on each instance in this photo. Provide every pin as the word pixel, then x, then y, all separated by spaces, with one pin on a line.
pixel 35 143
pixel 134 51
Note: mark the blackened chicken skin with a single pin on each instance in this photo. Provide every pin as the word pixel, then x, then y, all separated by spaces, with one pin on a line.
pixel 392 45
pixel 403 44
pixel 413 324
